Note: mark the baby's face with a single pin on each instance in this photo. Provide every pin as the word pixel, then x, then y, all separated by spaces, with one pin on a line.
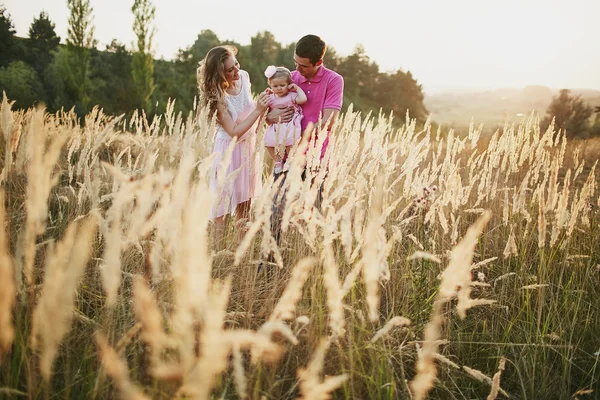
pixel 279 86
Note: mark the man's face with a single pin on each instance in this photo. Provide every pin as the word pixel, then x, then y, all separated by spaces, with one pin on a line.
pixel 305 67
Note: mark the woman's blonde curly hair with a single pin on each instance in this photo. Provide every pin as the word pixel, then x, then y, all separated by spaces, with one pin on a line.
pixel 210 75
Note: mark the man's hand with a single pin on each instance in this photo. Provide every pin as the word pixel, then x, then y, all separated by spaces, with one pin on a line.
pixel 277 115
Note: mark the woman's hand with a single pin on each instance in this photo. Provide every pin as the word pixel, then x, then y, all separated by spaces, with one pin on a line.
pixel 262 102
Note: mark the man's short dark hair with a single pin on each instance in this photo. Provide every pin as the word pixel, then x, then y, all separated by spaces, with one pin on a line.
pixel 311 47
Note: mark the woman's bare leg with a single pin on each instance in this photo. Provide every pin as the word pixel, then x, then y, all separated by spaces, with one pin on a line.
pixel 219 231
pixel 271 151
pixel 242 216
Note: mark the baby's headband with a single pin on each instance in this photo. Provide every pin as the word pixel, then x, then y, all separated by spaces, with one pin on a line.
pixel 271 70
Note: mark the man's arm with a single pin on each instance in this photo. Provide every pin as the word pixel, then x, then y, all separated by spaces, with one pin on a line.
pixel 333 101
pixel 277 115
pixel 329 117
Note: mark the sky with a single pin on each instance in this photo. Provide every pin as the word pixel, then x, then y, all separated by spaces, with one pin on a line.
pixel 446 44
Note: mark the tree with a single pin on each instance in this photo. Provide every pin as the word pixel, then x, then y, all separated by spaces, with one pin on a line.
pixel 400 92
pixel 111 79
pixel 42 42
pixel 142 64
pixel 79 42
pixel 570 113
pixel 21 83
pixel 9 48
pixel 360 78
pixel 261 53
pixel 205 41
pixel 595 128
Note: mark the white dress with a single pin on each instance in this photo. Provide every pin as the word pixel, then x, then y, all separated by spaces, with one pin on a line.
pixel 247 183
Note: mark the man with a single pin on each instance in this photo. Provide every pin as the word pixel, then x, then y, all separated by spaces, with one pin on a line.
pixel 324 88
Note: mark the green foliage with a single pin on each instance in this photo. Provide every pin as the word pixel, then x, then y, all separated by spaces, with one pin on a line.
pixel 595 128
pixel 79 42
pixel 42 42
pixel 81 30
pixel 21 83
pixel 262 52
pixel 142 70
pixel 570 113
pixel 142 63
pixel 174 81
pixel 58 82
pixel 205 41
pixel 9 47
pixel 400 92
pixel 119 81
pixel 112 83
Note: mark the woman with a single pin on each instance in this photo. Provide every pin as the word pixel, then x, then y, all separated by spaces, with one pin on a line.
pixel 225 90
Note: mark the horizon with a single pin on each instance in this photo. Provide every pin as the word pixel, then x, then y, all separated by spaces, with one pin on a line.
pixel 465 46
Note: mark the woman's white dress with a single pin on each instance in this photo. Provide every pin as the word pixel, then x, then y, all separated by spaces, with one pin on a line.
pixel 247 182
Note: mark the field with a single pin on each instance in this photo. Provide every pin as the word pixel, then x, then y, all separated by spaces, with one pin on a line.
pixel 455 109
pixel 438 265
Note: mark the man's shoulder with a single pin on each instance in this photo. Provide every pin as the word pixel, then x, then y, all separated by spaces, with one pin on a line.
pixel 332 75
pixel 296 76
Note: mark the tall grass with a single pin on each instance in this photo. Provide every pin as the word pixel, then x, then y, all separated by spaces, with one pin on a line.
pixel 436 265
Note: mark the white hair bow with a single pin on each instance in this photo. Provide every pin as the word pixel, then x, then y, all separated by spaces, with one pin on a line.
pixel 270 71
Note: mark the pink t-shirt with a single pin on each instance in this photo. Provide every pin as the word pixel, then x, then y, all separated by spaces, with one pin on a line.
pixel 324 90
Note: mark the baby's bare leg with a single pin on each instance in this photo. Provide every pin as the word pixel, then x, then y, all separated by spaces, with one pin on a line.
pixel 271 151
pixel 288 150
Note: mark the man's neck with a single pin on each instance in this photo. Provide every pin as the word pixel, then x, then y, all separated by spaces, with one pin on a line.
pixel 313 75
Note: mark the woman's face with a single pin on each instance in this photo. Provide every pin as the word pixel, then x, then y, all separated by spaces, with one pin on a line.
pixel 232 69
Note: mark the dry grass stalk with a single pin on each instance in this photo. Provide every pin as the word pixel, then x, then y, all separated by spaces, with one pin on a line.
pixel 191 265
pixel 446 360
pixel 456 275
pixel 311 385
pixel 582 392
pixel 392 323
pixel 118 370
pixel 150 317
pixel 496 380
pixel 53 314
pixel 128 337
pixel 333 286
pixel 198 383
pixel 370 259
pixel 481 377
pixel 542 223
pixel 534 286
pixel 425 256
pixel 284 310
pixel 41 178
pixel 6 132
pixel 261 345
pixel 269 328
pixel 484 262
pixel 119 349
pixel 511 246
pixel 238 372
pixel 7 285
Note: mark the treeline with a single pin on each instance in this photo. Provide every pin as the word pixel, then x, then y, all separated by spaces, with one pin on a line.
pixel 39 69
